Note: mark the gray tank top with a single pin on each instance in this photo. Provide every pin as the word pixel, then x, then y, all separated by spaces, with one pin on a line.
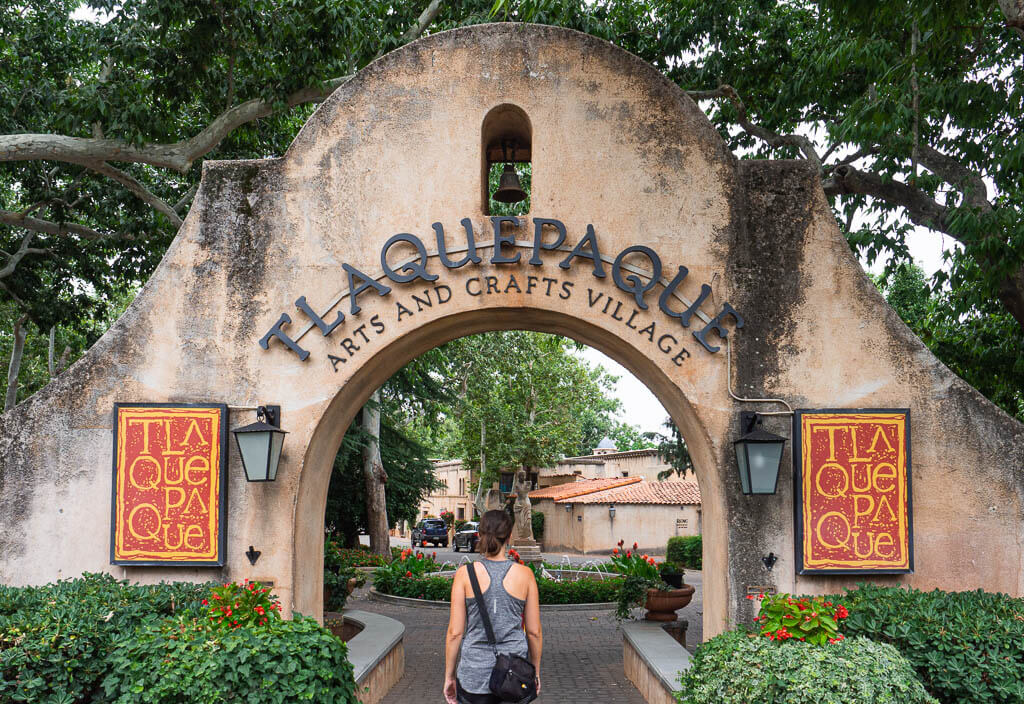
pixel 476 659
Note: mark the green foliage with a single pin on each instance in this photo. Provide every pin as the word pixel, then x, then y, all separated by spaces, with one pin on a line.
pixel 687 550
pixel 984 346
pixel 337 557
pixel 241 605
pixel 187 660
pixel 631 594
pixel 459 523
pixel 336 586
pixel 813 620
pixel 416 585
pixel 581 591
pixel 55 639
pixel 537 521
pixel 739 668
pixel 673 450
pixel 965 646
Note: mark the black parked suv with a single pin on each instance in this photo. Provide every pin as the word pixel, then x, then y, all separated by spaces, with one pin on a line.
pixel 430 530
pixel 466 537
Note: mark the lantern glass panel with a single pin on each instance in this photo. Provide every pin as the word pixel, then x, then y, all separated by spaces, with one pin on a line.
pixel 764 459
pixel 744 466
pixel 276 441
pixel 255 450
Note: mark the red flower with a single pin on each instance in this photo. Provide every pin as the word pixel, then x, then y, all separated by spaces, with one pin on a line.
pixel 634 546
pixel 841 612
pixel 205 602
pixel 408 574
pixel 621 543
pixel 629 554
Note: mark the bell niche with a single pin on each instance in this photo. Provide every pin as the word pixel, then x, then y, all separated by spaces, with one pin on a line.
pixel 506 169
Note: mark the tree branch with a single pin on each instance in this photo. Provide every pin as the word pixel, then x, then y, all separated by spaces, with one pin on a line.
pixel 1013 11
pixel 47 227
pixel 773 139
pixel 129 182
pixel 425 18
pixel 968 182
pixel 921 209
pixel 23 251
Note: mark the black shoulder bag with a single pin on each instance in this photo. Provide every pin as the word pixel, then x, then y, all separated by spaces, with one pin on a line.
pixel 513 678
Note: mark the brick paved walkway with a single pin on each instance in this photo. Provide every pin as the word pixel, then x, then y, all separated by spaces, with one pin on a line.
pixel 582 656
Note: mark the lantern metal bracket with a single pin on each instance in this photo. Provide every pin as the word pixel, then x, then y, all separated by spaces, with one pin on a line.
pixel 271 415
pixel 728 382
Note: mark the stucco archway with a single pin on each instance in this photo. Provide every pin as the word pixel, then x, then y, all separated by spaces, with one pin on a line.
pixel 614 145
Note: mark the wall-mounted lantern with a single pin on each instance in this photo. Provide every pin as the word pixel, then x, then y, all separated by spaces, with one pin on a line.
pixel 758 456
pixel 611 512
pixel 260 444
pixel 568 508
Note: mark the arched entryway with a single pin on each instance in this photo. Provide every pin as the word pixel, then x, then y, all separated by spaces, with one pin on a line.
pixel 338 415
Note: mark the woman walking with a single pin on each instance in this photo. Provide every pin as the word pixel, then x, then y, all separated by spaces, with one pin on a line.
pixel 513 607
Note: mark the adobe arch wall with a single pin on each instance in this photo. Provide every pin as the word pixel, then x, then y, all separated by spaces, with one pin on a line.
pixel 397 149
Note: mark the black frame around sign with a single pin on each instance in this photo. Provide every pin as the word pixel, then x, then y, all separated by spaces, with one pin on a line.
pixel 798 503
pixel 222 518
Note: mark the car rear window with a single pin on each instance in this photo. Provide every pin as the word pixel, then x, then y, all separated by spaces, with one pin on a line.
pixel 432 524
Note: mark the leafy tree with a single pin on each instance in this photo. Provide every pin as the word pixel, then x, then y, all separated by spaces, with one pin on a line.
pixel 985 347
pixel 673 451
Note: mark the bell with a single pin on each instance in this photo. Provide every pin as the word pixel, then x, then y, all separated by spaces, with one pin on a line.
pixel 509 189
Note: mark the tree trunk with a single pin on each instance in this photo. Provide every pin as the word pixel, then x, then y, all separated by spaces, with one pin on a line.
pixel 51 363
pixel 376 478
pixel 480 500
pixel 17 350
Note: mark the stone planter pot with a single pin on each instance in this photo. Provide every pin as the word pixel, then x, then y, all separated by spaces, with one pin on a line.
pixel 662 605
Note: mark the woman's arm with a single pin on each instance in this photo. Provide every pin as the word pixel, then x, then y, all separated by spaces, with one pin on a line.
pixel 456 629
pixel 534 638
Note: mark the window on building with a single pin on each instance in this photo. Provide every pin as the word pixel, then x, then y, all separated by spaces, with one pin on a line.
pixel 462 488
pixel 625 474
pixel 462 514
pixel 505 483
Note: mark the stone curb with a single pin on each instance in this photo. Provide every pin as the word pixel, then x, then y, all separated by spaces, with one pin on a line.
pixel 371 645
pixel 375 595
pixel 662 653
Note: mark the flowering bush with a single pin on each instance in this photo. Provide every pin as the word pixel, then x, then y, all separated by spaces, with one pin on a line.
pixel 632 564
pixel 242 605
pixel 741 668
pixel 641 572
pixel 408 565
pixel 448 517
pixel 337 557
pixel 811 619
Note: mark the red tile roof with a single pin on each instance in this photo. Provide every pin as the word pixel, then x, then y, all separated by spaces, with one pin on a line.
pixel 673 493
pixel 561 492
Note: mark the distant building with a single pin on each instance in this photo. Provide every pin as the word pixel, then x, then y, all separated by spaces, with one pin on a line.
pixel 578 516
pixel 670 507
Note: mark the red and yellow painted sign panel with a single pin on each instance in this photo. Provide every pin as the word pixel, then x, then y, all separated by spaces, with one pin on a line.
pixel 168 491
pixel 853 512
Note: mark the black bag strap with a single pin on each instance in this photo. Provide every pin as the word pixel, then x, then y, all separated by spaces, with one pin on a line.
pixel 480 605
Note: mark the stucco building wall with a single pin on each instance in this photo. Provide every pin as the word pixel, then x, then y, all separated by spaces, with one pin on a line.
pixel 650 526
pixel 616 146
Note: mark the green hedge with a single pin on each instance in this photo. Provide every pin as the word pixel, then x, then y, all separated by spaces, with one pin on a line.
pixel 55 639
pixel 537 521
pixel 740 668
pixel 965 646
pixel 584 591
pixel 178 660
pixel 686 550
pixel 94 640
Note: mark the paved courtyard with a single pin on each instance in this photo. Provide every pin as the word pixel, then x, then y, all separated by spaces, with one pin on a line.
pixel 582 653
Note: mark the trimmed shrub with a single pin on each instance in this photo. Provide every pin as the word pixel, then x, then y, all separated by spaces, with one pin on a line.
pixel 537 520
pixel 188 660
pixel 739 668
pixel 965 646
pixel 54 639
pixel 687 550
pixel 584 591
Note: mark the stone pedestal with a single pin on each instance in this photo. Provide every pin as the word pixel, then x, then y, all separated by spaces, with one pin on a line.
pixel 529 550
